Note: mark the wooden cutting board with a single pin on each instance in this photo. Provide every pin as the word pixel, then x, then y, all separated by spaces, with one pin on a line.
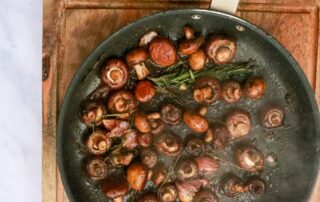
pixel 73 28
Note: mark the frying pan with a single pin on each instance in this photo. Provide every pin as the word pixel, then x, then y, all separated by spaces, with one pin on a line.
pixel 296 144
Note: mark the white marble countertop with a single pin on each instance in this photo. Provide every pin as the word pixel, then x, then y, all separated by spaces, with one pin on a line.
pixel 20 100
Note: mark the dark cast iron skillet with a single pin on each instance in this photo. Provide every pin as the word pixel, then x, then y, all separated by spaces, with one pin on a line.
pixel 296 144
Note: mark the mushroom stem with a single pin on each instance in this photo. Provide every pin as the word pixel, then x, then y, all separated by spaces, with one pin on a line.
pixel 141 70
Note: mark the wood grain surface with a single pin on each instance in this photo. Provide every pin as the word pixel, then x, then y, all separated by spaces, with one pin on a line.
pixel 73 28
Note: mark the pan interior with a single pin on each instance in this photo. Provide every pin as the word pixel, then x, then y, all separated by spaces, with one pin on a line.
pixel 296 145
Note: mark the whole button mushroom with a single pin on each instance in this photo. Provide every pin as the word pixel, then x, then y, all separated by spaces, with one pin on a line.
pixel 221 49
pixel 92 113
pixel 137 176
pixel 190 46
pixel 221 136
pixel 144 91
pixel 136 58
pixel 272 117
pixel 197 60
pixel 168 193
pixel 195 146
pixel 148 157
pixel 188 189
pixel 195 121
pixel 249 158
pixel 115 187
pixel 115 73
pixel 163 52
pixel 122 102
pixel 256 186
pixel 238 123
pixel 231 91
pixel 98 143
pixel 121 158
pixel 206 90
pixel 254 88
pixel 141 122
pixel 171 114
pixel 148 123
pixel 186 169
pixel 168 144
pixel 145 139
pixel 232 186
pixel 97 168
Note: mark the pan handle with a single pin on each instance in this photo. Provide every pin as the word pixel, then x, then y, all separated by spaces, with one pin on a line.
pixel 228 6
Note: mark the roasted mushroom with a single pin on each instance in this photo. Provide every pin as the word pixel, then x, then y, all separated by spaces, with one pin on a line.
pixel 121 158
pixel 122 102
pixel 98 143
pixel 92 113
pixel 144 91
pixel 186 169
pixel 249 158
pixel 116 128
pixel 195 146
pixel 130 140
pixel 149 197
pixel 254 87
pixel 195 121
pixel 232 186
pixel 148 157
pixel 231 91
pixel 136 59
pixel 163 52
pixel 147 38
pixel 171 114
pixel 156 123
pixel 188 189
pixel 207 90
pixel 190 46
pixel 159 174
pixel 168 193
pixel 169 145
pixel 148 123
pixel 97 169
pixel 115 187
pixel 238 123
pixel 205 195
pixel 207 166
pixel 145 139
pixel 137 176
pixel 220 136
pixel 220 49
pixel 115 73
pixel 197 60
pixel 272 117
pixel 256 186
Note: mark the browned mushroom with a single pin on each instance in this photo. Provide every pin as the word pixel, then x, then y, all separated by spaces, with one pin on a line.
pixel 116 128
pixel 190 46
pixel 168 144
pixel 93 113
pixel 168 193
pixel 238 123
pixel 171 114
pixel 188 189
pixel 97 169
pixel 136 59
pixel 254 88
pixel 163 52
pixel 249 158
pixel 145 139
pixel 197 60
pixel 159 174
pixel 207 166
pixel 232 186
pixel 195 121
pixel 98 143
pixel 122 102
pixel 195 146
pixel 137 176
pixel 186 169
pixel 147 38
pixel 141 122
pixel 220 49
pixel 256 186
pixel 144 91
pixel 115 73
pixel 231 91
pixel 130 140
pixel 115 187
pixel 121 158
pixel 206 90
pixel 205 195
pixel 156 123
pixel 220 136
pixel 148 157
pixel 149 197
pixel 272 117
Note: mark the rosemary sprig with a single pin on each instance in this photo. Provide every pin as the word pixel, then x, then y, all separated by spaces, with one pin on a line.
pixel 187 77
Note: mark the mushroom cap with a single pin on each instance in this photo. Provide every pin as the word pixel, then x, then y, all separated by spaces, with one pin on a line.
pixel 231 91
pixel 137 175
pixel 195 121
pixel 163 52
pixel 272 117
pixel 145 139
pixel 256 185
pixel 207 90
pixel 168 144
pixel 115 73
pixel 221 49
pixel 121 101
pixel 144 91
pixel 171 114
pixel 186 169
pixel 97 169
pixel 254 87
pixel 238 123
pixel 249 158
pixel 98 143
pixel 136 56
pixel 115 186
pixel 141 122
pixel 168 193
pixel 148 157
